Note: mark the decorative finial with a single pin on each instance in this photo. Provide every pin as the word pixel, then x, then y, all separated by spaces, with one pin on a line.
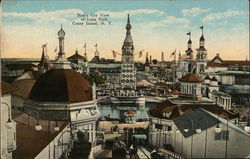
pixel 202 27
pixel 128 27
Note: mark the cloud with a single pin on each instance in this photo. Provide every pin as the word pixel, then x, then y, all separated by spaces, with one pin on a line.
pixel 222 15
pixel 169 20
pixel 194 11
pixel 61 16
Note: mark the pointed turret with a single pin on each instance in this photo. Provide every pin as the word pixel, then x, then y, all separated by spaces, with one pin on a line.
pixel 189 51
pixel 43 64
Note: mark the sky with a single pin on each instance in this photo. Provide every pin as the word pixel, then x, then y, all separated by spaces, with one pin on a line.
pixel 157 26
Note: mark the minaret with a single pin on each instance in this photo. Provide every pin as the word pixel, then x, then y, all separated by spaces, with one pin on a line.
pixel 201 56
pixel 189 51
pixel 61 62
pixel 127 76
pixel 61 35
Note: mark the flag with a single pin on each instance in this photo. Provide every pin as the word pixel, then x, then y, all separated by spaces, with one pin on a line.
pixel 140 54
pixel 55 49
pixel 189 33
pixel 84 45
pixel 201 27
pixel 173 53
pixel 114 53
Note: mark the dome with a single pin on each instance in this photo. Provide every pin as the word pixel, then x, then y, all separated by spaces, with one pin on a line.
pixel 61 85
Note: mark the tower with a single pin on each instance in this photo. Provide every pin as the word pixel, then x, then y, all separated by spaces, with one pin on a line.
pixel 201 56
pixel 188 66
pixel 61 62
pixel 189 51
pixel 127 77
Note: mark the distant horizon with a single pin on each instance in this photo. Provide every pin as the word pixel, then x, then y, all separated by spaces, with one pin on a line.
pixel 157 26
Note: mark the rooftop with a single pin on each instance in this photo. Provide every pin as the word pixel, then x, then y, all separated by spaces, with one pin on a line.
pixel 233 73
pixel 59 85
pixel 181 100
pixel 190 77
pixel 220 94
pixel 27 137
pixel 7 88
pixel 202 118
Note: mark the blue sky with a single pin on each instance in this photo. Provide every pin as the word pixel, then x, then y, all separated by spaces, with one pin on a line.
pixel 156 26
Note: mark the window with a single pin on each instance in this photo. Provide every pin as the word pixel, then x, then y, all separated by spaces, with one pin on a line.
pixel 158 126
pixel 223 135
pixel 169 128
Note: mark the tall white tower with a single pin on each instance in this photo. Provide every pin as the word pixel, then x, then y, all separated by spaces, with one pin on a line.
pixel 127 76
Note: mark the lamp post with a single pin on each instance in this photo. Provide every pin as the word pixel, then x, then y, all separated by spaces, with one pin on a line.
pixel 218 130
pixel 187 130
pixel 9 123
pixel 56 128
pixel 38 127
pixel 198 130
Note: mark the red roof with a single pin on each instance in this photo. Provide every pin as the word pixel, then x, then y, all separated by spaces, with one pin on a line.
pixel 167 107
pixel 59 85
pixel 176 92
pixel 163 107
pixel 131 112
pixel 190 77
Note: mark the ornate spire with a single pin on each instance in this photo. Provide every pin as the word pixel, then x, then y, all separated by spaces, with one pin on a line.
pixel 128 27
pixel 128 40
